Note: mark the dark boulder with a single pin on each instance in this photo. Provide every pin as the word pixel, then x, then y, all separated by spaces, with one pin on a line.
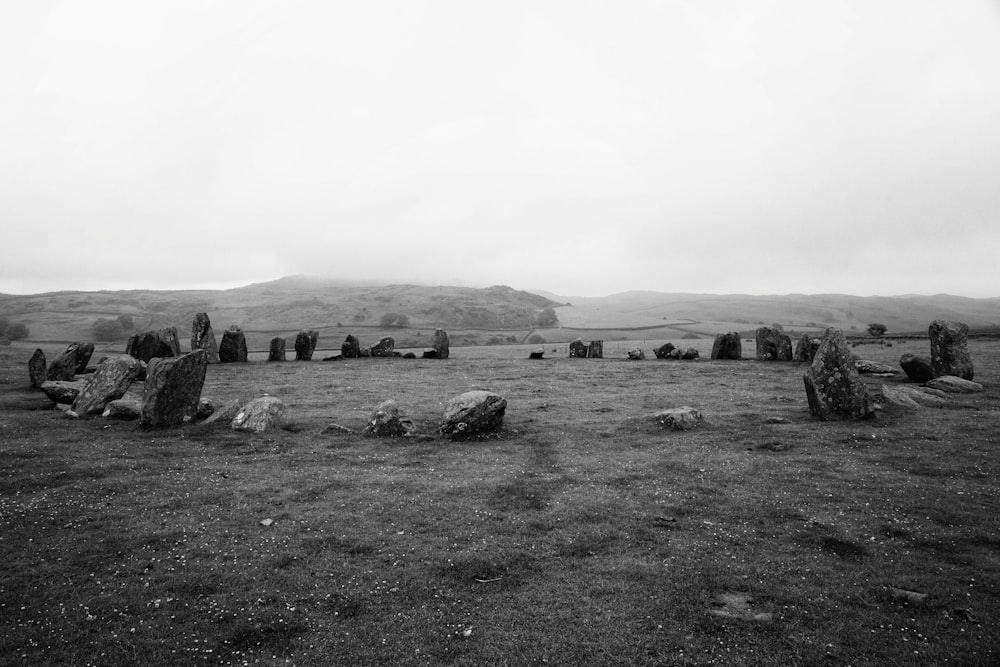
pixel 867 367
pixel 727 346
pixel 233 348
pixel 441 344
pixel 473 413
pixel 125 409
pixel 276 352
pixel 63 367
pixel 689 353
pixel 834 388
pixel 578 348
pixel 173 389
pixel 410 355
pixel 430 354
pixel 84 351
pixel 203 337
pixel 537 354
pixel 805 349
pixel 383 348
pixel 636 354
pixel 950 349
pixel 350 348
pixel 110 382
pixel 773 345
pixel 63 391
pixel 663 352
pixel 388 421
pixel 917 368
pixel 37 368
pixel 305 344
pixel 149 344
pixel 595 349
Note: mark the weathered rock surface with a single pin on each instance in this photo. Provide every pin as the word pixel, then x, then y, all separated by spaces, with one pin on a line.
pixel 63 367
pixel 276 352
pixel 110 382
pixel 441 344
pixel 126 409
pixel 689 353
pixel 727 346
pixel 205 409
pixel 149 344
pixel 805 349
pixel 909 397
pixel 173 389
pixel 683 418
pixel 595 349
pixel 383 348
pixel 473 413
pixel 636 354
pixel 950 349
pixel 84 351
pixel 867 367
pixel 663 352
pixel 833 385
pixel 63 391
pixel 305 344
pixel 37 368
pixel 773 345
pixel 259 415
pixel 350 348
pixel 917 368
pixel 387 421
pixel 233 348
pixel 577 348
pixel 223 414
pixel 203 337
pixel 953 384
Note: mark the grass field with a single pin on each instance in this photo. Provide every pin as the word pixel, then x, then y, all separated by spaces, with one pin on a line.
pixel 581 534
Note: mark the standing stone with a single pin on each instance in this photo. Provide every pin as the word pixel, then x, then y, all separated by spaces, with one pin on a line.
pixel 388 421
pixel 772 345
pixel 203 337
pixel 148 344
pixel 578 348
pixel 727 346
pixel 663 352
pixel 473 413
pixel 805 349
pixel 64 366
pixel 233 348
pixel 305 344
pixel 37 368
pixel 537 354
pixel 595 349
pixel 351 348
pixel 441 344
pixel 833 385
pixel 383 348
pixel 917 368
pixel 259 415
pixel 636 354
pixel 110 382
pixel 277 350
pixel 173 389
pixel 950 349
pixel 84 351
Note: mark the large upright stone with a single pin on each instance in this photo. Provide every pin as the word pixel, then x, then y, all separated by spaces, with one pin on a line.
pixel 441 344
pixel 350 348
pixel 203 338
pixel 305 344
pixel 834 387
pixel 84 351
pixel 259 415
pixel 277 350
pixel 112 379
pixel 384 347
pixel 595 349
pixel 473 413
pixel 148 344
pixel 37 368
pixel 772 345
pixel 64 366
pixel 917 368
pixel 727 346
pixel 577 348
pixel 805 349
pixel 950 349
pixel 233 348
pixel 173 389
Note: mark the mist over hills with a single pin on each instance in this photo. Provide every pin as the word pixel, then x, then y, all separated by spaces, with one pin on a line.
pixel 476 315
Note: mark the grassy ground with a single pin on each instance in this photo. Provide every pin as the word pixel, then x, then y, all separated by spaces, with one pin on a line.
pixel 583 534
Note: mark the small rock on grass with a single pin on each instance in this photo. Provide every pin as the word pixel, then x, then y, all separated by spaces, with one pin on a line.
pixel 683 418
pixel 259 415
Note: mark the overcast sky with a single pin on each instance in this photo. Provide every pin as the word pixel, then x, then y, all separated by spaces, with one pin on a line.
pixel 586 148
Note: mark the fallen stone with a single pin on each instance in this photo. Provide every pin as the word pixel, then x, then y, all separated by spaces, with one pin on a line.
pixel 173 389
pixel 537 354
pixel 205 409
pixel 950 349
pixel 110 382
pixel 63 391
pixel 918 369
pixel 430 354
pixel 636 354
pixel 223 414
pixel 259 415
pixel 387 420
pixel 833 385
pixel 867 367
pixel 473 413
pixel 125 409
pixel 683 418
pixel 689 353
pixel 340 357
pixel 383 348
pixel 954 385
pixel 36 369
pixel 203 337
pixel 663 352
pixel 910 397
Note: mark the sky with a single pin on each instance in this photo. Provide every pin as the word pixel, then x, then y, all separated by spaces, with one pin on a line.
pixel 584 148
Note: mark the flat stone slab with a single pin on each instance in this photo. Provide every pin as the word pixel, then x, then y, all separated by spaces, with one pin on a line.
pixel 954 385
pixel 683 418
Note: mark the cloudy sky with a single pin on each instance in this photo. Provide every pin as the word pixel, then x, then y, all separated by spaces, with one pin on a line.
pixel 585 148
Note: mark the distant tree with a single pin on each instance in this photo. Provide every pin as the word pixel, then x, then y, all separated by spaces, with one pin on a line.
pixel 17 331
pixel 395 320
pixel 104 329
pixel 877 329
pixel 546 317
pixel 126 322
